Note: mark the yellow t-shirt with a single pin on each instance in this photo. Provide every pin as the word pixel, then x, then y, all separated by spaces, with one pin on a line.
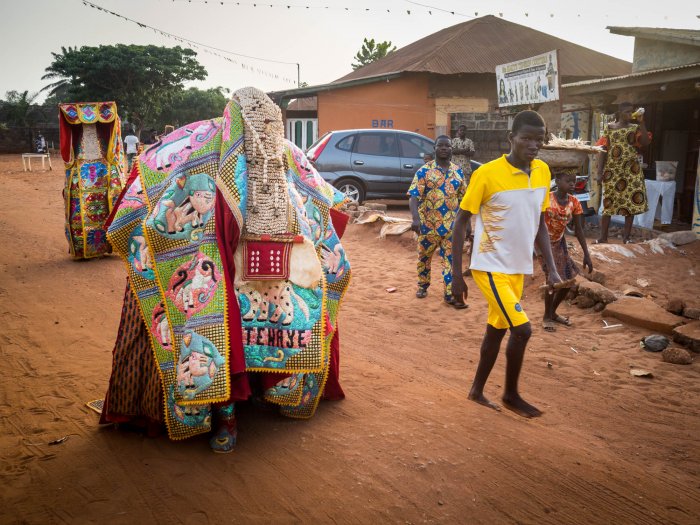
pixel 507 204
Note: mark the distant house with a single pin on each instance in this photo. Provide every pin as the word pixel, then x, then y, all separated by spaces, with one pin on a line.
pixel 665 80
pixel 447 79
pixel 301 121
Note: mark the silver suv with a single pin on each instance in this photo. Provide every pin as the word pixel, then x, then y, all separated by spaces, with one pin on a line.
pixel 370 163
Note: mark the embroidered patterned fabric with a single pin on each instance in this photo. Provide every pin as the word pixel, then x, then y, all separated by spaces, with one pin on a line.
pixel 558 216
pixel 624 189
pixel 439 193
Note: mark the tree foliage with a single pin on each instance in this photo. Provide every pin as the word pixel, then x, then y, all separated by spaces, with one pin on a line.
pixel 372 51
pixel 191 105
pixel 17 110
pixel 143 80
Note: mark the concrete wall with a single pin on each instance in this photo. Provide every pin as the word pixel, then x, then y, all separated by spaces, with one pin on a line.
pixel 655 54
pixel 401 103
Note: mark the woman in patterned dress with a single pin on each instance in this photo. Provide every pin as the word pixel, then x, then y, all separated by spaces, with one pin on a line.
pixel 624 190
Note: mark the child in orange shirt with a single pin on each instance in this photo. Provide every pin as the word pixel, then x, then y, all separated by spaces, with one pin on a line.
pixel 563 206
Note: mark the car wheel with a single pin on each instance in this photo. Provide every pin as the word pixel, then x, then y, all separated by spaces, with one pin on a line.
pixel 353 190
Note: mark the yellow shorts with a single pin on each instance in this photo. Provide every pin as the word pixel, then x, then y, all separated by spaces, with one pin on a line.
pixel 503 292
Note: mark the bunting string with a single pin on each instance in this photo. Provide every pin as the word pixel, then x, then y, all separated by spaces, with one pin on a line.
pixel 211 50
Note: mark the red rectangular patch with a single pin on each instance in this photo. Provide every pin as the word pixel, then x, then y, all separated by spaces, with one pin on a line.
pixel 266 260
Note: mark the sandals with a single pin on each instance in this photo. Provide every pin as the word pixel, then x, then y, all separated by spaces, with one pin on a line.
pixel 421 293
pixel 459 305
pixel 563 320
pixel 549 326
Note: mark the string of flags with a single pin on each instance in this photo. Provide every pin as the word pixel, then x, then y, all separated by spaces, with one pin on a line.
pixel 429 9
pixel 205 48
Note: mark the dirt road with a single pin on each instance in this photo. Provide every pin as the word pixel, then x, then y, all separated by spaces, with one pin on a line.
pixel 404 447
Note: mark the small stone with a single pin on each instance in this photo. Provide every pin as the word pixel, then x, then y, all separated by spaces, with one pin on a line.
pixel 675 306
pixel 597 292
pixel 655 343
pixel 595 276
pixel 632 291
pixel 677 356
pixel 691 313
pixel 583 301
pixel 599 307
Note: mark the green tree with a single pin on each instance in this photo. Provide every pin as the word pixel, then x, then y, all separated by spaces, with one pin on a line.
pixel 141 79
pixel 371 51
pixel 18 110
pixel 191 105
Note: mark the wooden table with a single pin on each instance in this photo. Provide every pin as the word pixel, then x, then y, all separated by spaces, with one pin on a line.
pixel 27 160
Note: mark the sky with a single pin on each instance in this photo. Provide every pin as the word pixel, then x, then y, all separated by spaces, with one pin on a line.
pixel 265 40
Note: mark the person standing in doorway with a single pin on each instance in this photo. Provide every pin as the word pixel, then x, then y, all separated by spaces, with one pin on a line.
pixel 463 151
pixel 434 197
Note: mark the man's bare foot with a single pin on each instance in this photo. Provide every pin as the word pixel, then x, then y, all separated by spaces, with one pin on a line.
pixel 521 407
pixel 479 398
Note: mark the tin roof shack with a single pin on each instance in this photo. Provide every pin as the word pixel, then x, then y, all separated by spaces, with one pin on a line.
pixel 446 79
pixel 665 80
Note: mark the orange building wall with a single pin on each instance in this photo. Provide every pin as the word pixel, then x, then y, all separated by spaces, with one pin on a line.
pixel 403 101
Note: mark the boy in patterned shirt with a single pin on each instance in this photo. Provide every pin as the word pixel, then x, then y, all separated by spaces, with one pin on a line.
pixel 508 196
pixel 434 199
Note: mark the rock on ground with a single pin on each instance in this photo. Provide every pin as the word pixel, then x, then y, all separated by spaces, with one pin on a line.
pixel 688 335
pixel 677 356
pixel 675 305
pixel 679 238
pixel 645 313
pixel 597 292
pixel 691 313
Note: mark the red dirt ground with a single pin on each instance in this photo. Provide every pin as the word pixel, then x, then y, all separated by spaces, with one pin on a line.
pixel 406 446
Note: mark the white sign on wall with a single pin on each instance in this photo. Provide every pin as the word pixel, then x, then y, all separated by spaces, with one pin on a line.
pixel 532 80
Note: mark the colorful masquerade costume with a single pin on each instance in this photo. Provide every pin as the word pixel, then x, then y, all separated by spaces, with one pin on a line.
pixel 624 190
pixel 91 147
pixel 236 266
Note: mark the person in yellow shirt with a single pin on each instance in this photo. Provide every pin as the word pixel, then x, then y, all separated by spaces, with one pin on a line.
pixel 508 197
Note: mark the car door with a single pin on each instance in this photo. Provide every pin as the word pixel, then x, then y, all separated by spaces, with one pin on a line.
pixel 412 149
pixel 375 161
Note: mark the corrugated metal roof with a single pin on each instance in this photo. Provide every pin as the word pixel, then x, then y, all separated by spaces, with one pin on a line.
pixel 680 36
pixel 479 45
pixel 632 75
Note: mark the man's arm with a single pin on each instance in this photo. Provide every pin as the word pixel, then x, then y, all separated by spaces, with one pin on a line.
pixel 542 243
pixel 462 227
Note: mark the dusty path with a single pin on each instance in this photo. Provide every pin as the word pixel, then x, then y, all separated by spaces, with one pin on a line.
pixel 404 447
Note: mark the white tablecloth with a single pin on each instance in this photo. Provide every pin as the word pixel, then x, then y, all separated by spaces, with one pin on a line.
pixel 666 190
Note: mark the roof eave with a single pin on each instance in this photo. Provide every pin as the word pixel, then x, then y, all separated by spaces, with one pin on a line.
pixel 288 94
pixel 630 81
